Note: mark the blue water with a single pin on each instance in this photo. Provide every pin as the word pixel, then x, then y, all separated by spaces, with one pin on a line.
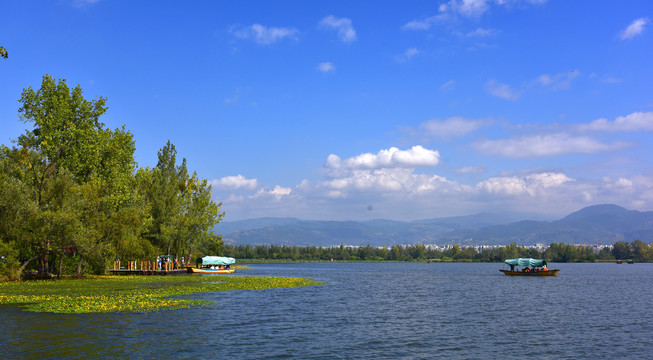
pixel 371 311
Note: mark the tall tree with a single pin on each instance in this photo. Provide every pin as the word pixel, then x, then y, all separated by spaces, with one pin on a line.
pixel 199 216
pixel 162 189
pixel 17 211
pixel 621 250
pixel 639 250
pixel 181 210
pixel 67 153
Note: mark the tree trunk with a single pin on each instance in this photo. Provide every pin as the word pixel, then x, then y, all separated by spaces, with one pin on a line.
pixel 79 266
pixel 43 266
pixel 22 267
pixel 52 262
pixel 60 264
pixel 84 270
pixel 40 272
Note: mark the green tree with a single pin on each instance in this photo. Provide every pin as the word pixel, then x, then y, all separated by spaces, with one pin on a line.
pixel 181 211
pixel 511 251
pixel 199 213
pixel 639 250
pixel 16 213
pixel 70 163
pixel 3 52
pixel 621 250
pixel 605 254
pixel 162 190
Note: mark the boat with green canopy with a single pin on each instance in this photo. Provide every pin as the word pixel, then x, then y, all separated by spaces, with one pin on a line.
pixel 530 267
pixel 213 265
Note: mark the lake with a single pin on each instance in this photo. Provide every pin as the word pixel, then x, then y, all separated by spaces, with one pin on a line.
pixel 370 311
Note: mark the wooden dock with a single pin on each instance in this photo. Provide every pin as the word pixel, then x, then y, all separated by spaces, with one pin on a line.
pixel 149 272
pixel 147 268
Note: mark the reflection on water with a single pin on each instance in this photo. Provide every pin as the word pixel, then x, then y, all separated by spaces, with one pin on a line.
pixel 370 311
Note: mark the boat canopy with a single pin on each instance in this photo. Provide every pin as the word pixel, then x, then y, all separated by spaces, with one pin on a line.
pixel 218 260
pixel 526 262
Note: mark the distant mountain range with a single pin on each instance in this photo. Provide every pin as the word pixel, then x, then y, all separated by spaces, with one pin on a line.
pixel 599 224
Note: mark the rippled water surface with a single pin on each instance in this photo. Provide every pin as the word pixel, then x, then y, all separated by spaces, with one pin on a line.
pixel 371 311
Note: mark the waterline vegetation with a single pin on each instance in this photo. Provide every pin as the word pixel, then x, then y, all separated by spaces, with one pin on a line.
pixel 555 252
pixel 102 294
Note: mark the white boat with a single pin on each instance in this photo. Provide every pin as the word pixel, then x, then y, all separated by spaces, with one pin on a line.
pixel 213 265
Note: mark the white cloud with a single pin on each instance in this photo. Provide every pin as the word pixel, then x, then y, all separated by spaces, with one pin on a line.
pixel 448 85
pixel 611 80
pixel 531 185
pixel 480 32
pixel 396 180
pixel 558 81
pixel 277 193
pixel 624 183
pixel 449 11
pixel 637 121
pixel 503 91
pixel 470 170
pixel 264 35
pixel 408 54
pixel 403 194
pixel 390 158
pixel 452 127
pixel 234 183
pixel 467 8
pixel 326 67
pixel 453 9
pixel 424 24
pixel 411 52
pixel 545 145
pixel 344 27
pixel 635 28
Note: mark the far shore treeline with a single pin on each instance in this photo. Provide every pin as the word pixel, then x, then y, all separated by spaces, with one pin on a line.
pixel 73 200
pixel 637 251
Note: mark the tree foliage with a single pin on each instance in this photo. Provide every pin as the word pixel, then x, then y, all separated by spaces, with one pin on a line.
pixel 556 252
pixel 70 188
pixel 181 211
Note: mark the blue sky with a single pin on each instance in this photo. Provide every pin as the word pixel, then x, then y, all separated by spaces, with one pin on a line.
pixel 360 110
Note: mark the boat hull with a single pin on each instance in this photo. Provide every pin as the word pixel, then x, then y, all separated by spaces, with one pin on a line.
pixel 209 271
pixel 552 272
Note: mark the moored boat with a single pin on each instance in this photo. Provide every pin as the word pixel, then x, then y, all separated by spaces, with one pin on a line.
pixel 209 271
pixel 530 267
pixel 213 265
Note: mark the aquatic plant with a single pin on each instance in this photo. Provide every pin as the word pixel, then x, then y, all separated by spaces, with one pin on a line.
pixel 99 294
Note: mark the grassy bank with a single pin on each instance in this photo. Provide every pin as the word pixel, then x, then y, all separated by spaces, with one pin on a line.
pixel 100 294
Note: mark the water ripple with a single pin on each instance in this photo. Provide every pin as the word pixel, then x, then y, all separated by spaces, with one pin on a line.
pixel 370 311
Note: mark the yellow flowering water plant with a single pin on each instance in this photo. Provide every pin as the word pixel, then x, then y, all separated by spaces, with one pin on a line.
pixel 100 294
